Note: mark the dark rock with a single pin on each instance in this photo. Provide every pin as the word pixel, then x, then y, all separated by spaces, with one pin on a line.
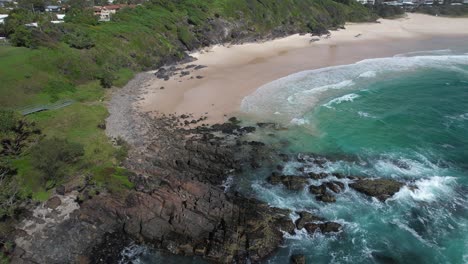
pixel 199 67
pixel 306 217
pixel 53 202
pixel 267 125
pixel 199 77
pixel 381 258
pixel 382 189
pixel 317 190
pixel 327 227
pixel 294 183
pixel 60 190
pixel 102 125
pixel 326 198
pixel 317 176
pixel 161 88
pixel 234 120
pixel 336 187
pixel 110 249
pixel 298 259
pixel 184 73
pixel 256 143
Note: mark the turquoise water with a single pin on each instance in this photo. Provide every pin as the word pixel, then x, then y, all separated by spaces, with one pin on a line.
pixel 405 118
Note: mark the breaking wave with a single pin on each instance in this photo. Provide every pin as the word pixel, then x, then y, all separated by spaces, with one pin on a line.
pixel 339 100
pixel 296 94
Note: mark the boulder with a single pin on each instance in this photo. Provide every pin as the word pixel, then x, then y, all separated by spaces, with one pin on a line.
pixel 326 198
pixel 306 217
pixel 327 227
pixel 53 202
pixel 294 183
pixel 335 186
pixel 317 190
pixel 382 189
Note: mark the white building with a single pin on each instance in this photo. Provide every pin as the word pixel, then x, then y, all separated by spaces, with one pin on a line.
pixel 369 2
pixel 2 18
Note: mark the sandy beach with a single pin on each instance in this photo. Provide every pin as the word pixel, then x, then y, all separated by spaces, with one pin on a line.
pixel 233 72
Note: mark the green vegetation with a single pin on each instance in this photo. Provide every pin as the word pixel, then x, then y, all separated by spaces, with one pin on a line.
pixel 52 158
pixel 387 11
pixel 444 10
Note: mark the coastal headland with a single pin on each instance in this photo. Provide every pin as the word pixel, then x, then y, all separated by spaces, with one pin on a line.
pixel 185 144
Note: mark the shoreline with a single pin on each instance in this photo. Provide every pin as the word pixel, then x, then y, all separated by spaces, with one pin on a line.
pixel 234 71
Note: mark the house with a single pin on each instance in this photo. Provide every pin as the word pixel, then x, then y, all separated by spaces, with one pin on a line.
pixel 105 12
pixel 2 18
pixel 52 8
pixel 31 25
pixel 367 2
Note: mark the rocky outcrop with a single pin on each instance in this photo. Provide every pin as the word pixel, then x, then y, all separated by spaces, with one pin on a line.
pixel 381 189
pixel 179 204
pixel 294 183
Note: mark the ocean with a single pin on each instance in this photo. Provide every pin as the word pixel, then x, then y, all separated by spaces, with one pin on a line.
pixel 403 117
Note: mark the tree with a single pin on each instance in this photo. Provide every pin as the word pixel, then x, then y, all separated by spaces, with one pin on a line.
pixel 33 5
pixel 81 16
pixel 15 133
pixel 23 37
pixel 53 158
pixel 78 38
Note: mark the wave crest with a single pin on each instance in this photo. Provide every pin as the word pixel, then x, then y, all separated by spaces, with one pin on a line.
pixel 296 94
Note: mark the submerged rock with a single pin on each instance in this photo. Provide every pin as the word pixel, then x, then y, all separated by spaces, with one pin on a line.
pixel 326 198
pixel 382 189
pixel 298 259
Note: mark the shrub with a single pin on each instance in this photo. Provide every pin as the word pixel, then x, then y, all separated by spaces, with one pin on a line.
pixel 106 78
pixel 53 158
pixel 23 37
pixel 79 39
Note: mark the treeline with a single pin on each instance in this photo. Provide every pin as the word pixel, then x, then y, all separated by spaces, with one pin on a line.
pixel 443 10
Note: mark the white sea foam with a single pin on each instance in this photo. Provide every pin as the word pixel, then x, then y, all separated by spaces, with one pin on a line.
pixel 461 117
pixel 310 95
pixel 368 74
pixel 365 115
pixel 427 190
pixel 299 121
pixel 339 100
pixel 296 94
pixel 426 53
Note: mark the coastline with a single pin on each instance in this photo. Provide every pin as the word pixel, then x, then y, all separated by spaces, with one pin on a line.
pixel 233 72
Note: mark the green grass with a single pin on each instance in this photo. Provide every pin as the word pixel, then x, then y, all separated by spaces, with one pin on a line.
pixel 77 123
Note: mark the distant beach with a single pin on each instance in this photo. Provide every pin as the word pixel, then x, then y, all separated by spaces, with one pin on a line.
pixel 233 72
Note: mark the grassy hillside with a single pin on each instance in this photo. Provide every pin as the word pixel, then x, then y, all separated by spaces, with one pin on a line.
pixel 75 60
